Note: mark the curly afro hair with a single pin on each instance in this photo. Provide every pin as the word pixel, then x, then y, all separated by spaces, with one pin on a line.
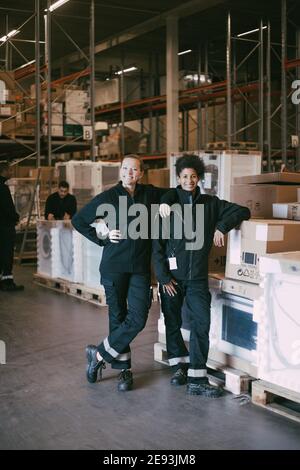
pixel 190 161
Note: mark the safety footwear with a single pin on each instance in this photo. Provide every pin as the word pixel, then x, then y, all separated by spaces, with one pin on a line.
pixel 203 388
pixel 93 366
pixel 179 377
pixel 125 381
pixel 8 285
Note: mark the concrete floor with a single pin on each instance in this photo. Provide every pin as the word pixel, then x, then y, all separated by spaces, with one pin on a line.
pixel 46 403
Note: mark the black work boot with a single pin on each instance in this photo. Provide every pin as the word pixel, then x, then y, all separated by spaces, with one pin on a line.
pixel 203 387
pixel 93 365
pixel 179 377
pixel 8 285
pixel 125 381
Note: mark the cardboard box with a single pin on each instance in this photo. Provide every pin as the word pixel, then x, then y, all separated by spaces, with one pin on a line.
pixel 56 131
pixel 77 118
pixel 263 178
pixel 254 239
pixel 7 127
pixel 9 79
pixel 159 177
pixel 217 259
pixel 288 210
pixel 259 198
pixel 7 110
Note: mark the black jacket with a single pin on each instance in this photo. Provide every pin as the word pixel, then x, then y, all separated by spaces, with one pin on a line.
pixel 129 255
pixel 58 206
pixel 8 214
pixel 193 264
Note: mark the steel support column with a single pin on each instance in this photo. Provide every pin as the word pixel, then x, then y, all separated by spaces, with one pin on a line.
pixel 206 126
pixel 261 87
pixel 92 79
pixel 172 87
pixel 283 82
pixel 298 106
pixel 122 99
pixel 37 84
pixel 228 78
pixel 199 114
pixel 269 110
pixel 48 62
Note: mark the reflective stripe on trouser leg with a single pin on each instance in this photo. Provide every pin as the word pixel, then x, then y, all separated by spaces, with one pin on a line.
pixel 3 278
pixel 197 373
pixel 179 360
pixel 111 355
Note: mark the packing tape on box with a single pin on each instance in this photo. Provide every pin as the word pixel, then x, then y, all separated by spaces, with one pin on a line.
pixel 269 233
pixel 235 246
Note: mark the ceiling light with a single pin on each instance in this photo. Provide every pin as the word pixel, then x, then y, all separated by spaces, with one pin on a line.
pixel 9 35
pixel 57 4
pixel 250 32
pixel 130 69
pixel 185 52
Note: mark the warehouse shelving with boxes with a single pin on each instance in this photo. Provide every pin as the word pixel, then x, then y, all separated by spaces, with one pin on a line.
pixel 184 80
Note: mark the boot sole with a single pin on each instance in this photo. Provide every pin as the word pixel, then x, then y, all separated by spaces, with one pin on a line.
pixel 125 388
pixel 89 359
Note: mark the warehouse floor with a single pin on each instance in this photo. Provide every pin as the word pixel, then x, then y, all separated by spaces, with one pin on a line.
pixel 46 403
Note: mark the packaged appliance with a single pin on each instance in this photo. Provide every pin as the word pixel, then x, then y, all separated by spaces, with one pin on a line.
pixel 221 167
pixel 279 321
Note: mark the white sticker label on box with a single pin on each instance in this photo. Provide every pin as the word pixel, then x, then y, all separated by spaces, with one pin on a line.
pixel 269 233
pixel 235 246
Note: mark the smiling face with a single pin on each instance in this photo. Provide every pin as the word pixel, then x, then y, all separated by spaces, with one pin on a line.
pixel 188 179
pixel 130 172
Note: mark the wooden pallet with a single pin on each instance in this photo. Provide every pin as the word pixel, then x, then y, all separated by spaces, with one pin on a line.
pixel 232 380
pixel 88 294
pixel 56 284
pixel 277 399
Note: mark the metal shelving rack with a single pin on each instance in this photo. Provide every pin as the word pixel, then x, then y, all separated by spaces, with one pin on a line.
pixel 257 95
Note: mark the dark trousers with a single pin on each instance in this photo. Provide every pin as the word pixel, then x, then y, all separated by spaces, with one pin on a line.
pixel 128 299
pixel 7 244
pixel 197 298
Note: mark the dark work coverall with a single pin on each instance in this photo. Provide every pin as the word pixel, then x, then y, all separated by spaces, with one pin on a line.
pixel 191 276
pixel 125 271
pixel 8 219
pixel 57 206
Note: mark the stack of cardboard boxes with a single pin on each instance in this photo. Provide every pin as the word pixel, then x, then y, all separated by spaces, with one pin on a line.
pixel 260 236
pixel 70 105
pixel 10 105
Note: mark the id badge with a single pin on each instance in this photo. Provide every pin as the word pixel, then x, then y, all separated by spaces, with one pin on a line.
pixel 172 263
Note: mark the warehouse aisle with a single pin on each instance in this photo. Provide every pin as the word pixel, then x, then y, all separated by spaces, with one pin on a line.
pixel 46 403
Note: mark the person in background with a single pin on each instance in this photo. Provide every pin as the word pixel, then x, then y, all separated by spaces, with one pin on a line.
pixel 8 220
pixel 182 270
pixel 61 205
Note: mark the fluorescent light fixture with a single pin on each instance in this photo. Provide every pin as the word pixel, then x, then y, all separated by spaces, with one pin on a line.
pixel 57 4
pixel 185 52
pixel 9 35
pixel 130 69
pixel 250 32
pixel 25 65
